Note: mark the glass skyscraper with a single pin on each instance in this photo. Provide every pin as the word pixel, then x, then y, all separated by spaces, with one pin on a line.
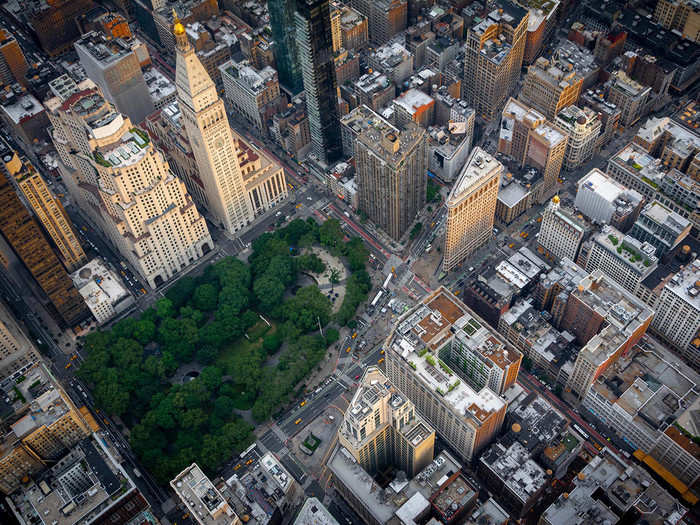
pixel 283 32
pixel 315 46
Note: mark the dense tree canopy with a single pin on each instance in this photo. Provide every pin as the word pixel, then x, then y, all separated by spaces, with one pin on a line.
pixel 229 320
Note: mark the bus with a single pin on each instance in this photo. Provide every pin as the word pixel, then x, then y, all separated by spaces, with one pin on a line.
pixel 582 432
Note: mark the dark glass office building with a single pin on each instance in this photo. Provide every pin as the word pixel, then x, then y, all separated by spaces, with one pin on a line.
pixel 283 32
pixel 313 23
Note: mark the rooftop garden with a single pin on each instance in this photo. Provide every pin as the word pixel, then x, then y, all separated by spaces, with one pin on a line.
pixel 614 240
pixel 633 254
pixel 649 181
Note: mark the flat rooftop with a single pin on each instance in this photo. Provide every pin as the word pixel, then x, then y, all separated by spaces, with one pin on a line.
pixel 513 466
pixel 314 513
pixel 159 86
pixel 635 160
pixel 427 327
pixel 20 105
pixel 390 145
pixel 385 503
pixel 96 282
pixel 202 498
pixel 479 168
pixel 252 80
pixel 414 100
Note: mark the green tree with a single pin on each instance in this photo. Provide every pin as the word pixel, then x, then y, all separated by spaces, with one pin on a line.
pixel 145 331
pixel 332 335
pixel 180 292
pixel 330 234
pixel 269 292
pixel 211 377
pixel 357 254
pixel 205 297
pixel 307 308
pixel 110 395
pixel 235 297
pixel 272 342
pixel 334 277
pixel 165 308
pixel 281 267
pixel 416 230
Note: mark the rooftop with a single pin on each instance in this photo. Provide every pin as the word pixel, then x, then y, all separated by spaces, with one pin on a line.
pixel 314 513
pixel 78 488
pixel 430 325
pixel 689 115
pixel 479 168
pixel 105 51
pixel 620 81
pixel 448 139
pixel 385 503
pixel 665 217
pixel 682 140
pixel 97 283
pixel 635 159
pixel 686 284
pixel 516 110
pixel 390 55
pixel 573 117
pixel 413 100
pixel 623 311
pixel 372 82
pixel 488 513
pixel 539 422
pixel 252 80
pixel 601 184
pixel 624 486
pixel 20 105
pixel 633 253
pixel 515 469
pixel 387 143
pixel 202 498
pixel 512 192
pixel 453 496
pixel 159 86
pixel 129 149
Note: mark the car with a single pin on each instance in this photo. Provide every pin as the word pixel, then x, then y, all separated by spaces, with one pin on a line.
pixel 382 352
pixel 302 403
pixel 249 461
pixel 297 421
pixel 237 467
pixel 74 357
pixel 68 366
pixel 511 245
pixel 380 361
pixel 357 377
pixel 143 291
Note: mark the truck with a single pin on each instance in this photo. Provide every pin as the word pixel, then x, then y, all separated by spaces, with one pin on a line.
pixel 346 214
pixel 377 297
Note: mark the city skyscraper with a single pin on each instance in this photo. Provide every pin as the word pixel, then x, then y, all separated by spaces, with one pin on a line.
pixel 391 181
pixel 50 212
pixel 471 207
pixel 210 135
pixel 315 45
pixel 124 183
pixel 493 57
pixel 22 233
pixel 286 54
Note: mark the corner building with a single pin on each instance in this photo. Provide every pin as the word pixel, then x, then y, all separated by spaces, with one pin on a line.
pixel 125 185
pixel 454 368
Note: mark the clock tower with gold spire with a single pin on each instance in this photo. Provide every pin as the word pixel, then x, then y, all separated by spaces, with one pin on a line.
pixel 212 143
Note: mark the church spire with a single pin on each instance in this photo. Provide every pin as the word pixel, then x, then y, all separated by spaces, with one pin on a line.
pixel 181 41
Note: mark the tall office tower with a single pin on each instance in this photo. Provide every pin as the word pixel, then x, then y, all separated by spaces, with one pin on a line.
pixel 390 166
pixel 143 13
pixel 125 185
pixel 48 209
pixel 113 65
pixel 13 65
pixel 493 57
pixel 583 127
pixel 336 37
pixel 381 428
pixel 22 233
pixel 210 136
pixel 533 141
pixel 39 426
pixel 454 368
pixel 386 18
pixel 16 352
pixel 561 233
pixel 677 318
pixel 283 28
pixel 551 85
pixel 471 207
pixel 55 23
pixel 315 48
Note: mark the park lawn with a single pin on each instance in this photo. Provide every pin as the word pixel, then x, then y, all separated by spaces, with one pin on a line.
pixel 226 359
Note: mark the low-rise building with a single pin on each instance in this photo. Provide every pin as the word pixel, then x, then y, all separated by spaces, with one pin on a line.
pixel 669 141
pixel 628 95
pixel 375 90
pixel 513 475
pixel 86 485
pixel 619 488
pixel 162 90
pixel 203 500
pixel 645 397
pixel 41 423
pixel 607 320
pixel 291 130
pixel 253 93
pixel 103 291
pixel 448 148
pixel 609 114
pixel 624 258
pixel 23 116
pixel 661 227
pixel 414 106
pixel 313 511
pixel 603 200
pixel 405 500
pixel 393 60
